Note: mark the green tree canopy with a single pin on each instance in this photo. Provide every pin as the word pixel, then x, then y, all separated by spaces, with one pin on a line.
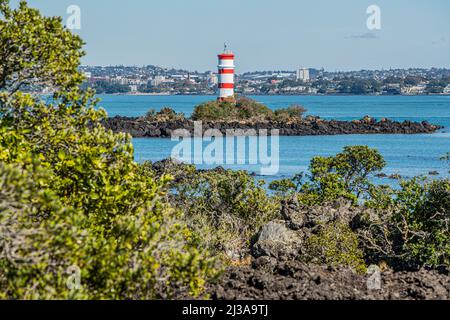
pixel 36 50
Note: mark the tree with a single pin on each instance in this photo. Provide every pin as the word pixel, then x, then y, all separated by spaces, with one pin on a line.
pixel 36 50
pixel 345 175
pixel 71 194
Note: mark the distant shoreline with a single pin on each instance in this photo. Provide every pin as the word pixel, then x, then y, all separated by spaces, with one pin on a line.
pixel 261 95
pixel 283 95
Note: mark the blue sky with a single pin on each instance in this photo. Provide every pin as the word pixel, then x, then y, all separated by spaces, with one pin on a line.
pixel 264 34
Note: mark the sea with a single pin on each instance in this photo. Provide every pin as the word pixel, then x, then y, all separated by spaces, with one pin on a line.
pixel 406 155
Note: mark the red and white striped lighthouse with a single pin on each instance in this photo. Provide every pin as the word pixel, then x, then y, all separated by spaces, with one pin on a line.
pixel 226 75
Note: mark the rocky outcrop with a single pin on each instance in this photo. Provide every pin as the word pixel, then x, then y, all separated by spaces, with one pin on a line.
pixel 277 241
pixel 142 127
pixel 277 271
pixel 300 216
pixel 270 279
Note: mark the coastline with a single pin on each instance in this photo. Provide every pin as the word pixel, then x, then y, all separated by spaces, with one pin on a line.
pixel 140 127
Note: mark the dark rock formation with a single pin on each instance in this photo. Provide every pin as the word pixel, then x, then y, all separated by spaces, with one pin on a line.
pixel 270 279
pixel 276 272
pixel 142 127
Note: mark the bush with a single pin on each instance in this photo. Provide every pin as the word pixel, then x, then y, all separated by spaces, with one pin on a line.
pixel 244 109
pixel 409 227
pixel 36 50
pixel 226 208
pixel 292 113
pixel 345 175
pixel 91 209
pixel 248 109
pixel 335 245
pixel 165 114
pixel 147 254
pixel 287 187
pixel 215 111
pixel 71 196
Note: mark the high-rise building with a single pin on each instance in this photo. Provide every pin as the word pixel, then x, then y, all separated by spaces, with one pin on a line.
pixel 226 75
pixel 303 74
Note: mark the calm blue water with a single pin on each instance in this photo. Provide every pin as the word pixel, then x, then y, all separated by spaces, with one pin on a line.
pixel 407 155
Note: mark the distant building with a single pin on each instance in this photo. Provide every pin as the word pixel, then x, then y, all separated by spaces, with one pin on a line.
pixel 303 74
pixel 447 89
pixel 212 79
pixel 413 90
pixel 157 80
pixel 133 88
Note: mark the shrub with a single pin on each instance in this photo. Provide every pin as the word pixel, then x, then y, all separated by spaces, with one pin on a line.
pixel 287 187
pixel 226 208
pixel 215 111
pixel 244 109
pixel 105 217
pixel 147 254
pixel 248 109
pixel 345 175
pixel 335 245
pixel 409 227
pixel 292 113
pixel 165 114
pixel 37 50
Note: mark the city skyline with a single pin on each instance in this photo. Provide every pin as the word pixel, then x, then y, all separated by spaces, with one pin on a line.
pixel 264 35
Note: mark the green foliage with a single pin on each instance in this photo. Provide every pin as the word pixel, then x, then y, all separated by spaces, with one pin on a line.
pixel 226 208
pixel 286 187
pixel 37 50
pixel 294 112
pixel 71 194
pixel 147 254
pixel 409 227
pixel 165 114
pixel 250 109
pixel 215 111
pixel 245 109
pixel 134 237
pixel 345 175
pixel 335 245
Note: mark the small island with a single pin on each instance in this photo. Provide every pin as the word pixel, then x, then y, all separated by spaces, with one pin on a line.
pixel 246 114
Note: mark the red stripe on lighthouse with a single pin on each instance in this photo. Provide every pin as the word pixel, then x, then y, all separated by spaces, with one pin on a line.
pixel 226 56
pixel 226 71
pixel 226 85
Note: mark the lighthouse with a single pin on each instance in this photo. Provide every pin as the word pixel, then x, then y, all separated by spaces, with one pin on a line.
pixel 226 75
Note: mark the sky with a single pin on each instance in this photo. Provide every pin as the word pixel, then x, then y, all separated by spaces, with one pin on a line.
pixel 264 34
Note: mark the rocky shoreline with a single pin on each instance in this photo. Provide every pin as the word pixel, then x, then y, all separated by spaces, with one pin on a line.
pixel 271 267
pixel 142 127
pixel 272 271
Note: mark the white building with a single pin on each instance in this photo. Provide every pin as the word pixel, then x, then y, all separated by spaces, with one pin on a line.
pixel 447 89
pixel 414 90
pixel 157 80
pixel 212 79
pixel 303 74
